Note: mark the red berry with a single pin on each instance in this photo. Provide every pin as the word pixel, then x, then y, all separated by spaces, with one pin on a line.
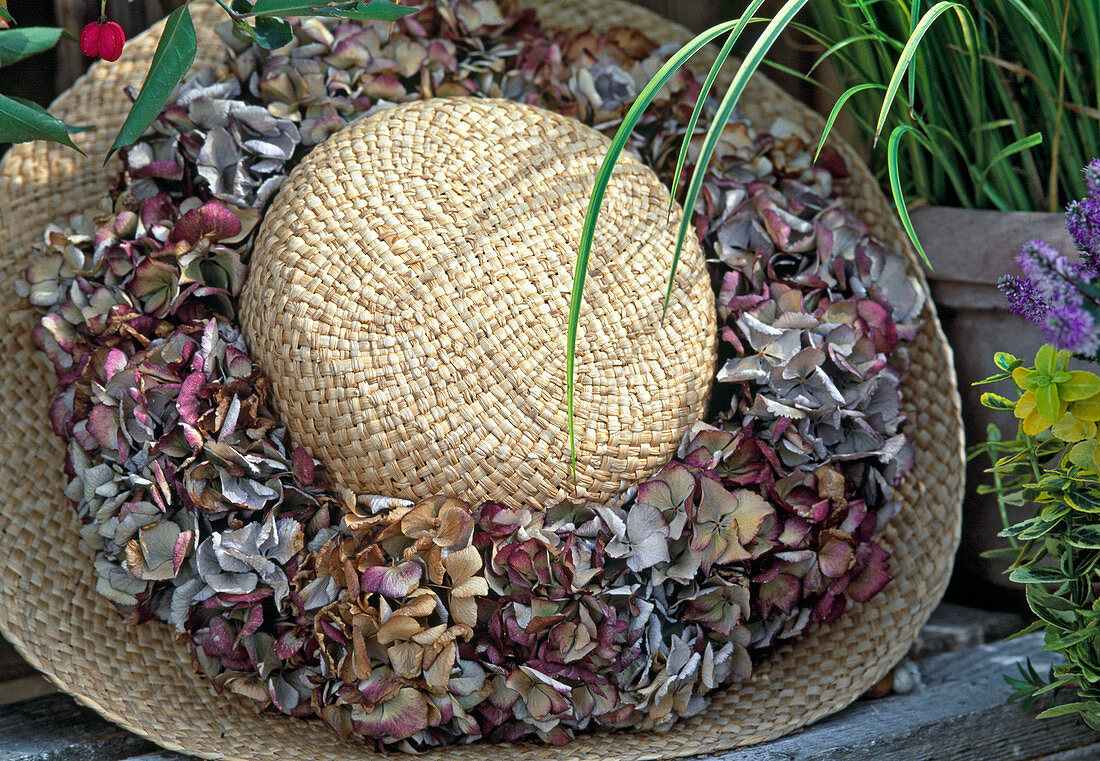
pixel 102 40
pixel 111 40
pixel 89 40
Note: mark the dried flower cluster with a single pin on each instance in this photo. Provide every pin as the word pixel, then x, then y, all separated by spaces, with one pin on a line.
pixel 416 625
pixel 1062 296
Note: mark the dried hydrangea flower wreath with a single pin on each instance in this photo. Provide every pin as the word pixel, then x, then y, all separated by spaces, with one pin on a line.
pixel 418 624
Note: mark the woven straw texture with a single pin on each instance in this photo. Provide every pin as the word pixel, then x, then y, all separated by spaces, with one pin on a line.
pixel 141 677
pixel 408 293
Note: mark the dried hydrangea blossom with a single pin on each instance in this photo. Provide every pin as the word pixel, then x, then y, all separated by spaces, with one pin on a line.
pixel 417 625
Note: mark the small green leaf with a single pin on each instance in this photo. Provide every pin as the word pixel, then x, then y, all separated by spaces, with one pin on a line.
pixel 1023 144
pixel 1085 500
pixel 1031 628
pixel 1081 385
pixel 1085 537
pixel 1045 359
pixel 997 402
pixel 173 57
pixel 17 44
pixel 6 16
pixel 272 33
pixel 1037 576
pixel 374 10
pixel 1005 361
pixel 22 121
pixel 1062 710
pixel 1046 398
pixel 992 379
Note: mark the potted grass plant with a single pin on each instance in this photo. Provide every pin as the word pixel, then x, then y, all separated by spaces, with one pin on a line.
pixel 983 142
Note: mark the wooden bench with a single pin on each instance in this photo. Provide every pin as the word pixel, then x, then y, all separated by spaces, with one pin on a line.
pixel 953 711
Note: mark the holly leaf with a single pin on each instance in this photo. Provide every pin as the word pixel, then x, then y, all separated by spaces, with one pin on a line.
pixel 22 121
pixel 174 55
pixel 17 44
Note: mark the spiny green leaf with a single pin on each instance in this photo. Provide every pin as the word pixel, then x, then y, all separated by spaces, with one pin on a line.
pixel 17 44
pixel 22 121
pixel 173 57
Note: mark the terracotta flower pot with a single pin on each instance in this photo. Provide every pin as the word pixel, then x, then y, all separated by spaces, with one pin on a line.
pixel 970 250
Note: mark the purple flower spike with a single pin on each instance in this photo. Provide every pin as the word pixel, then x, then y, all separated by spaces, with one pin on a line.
pixel 1024 298
pixel 1092 178
pixel 1070 327
pixel 1083 223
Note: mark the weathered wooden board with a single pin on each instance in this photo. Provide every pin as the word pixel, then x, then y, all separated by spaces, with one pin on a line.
pixel 957 627
pixel 55 728
pixel 957 714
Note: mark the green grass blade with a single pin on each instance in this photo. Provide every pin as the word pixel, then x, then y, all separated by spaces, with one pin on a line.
pixel 837 108
pixel 839 46
pixel 1023 144
pixel 740 81
pixel 599 189
pixel 907 54
pixel 700 102
pixel 896 191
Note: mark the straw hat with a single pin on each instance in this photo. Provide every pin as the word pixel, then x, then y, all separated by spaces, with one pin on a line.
pixel 141 677
pixel 412 320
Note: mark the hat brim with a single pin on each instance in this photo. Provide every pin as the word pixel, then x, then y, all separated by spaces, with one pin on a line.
pixel 141 677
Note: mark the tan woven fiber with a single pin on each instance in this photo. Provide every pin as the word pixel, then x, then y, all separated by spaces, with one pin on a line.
pixel 408 295
pixel 141 678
